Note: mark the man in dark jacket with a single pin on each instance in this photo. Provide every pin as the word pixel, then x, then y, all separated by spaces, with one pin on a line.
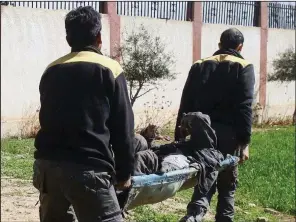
pixel 222 87
pixel 87 129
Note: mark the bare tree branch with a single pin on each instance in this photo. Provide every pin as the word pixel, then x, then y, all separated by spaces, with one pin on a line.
pixel 146 92
pixel 131 90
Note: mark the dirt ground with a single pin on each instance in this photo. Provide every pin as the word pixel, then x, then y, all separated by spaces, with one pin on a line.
pixel 18 200
pixel 174 205
pixel 19 203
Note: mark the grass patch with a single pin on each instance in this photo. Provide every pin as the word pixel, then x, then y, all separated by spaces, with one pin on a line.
pixel 17 158
pixel 267 179
pixel 147 214
pixel 243 211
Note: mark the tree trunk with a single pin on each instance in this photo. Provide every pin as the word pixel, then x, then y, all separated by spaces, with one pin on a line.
pixel 133 101
pixel 134 97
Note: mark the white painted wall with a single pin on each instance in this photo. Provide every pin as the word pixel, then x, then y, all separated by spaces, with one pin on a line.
pixel 251 51
pixel 30 40
pixel 280 97
pixel 178 37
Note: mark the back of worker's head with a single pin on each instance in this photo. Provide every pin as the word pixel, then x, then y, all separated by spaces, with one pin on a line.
pixel 83 27
pixel 231 39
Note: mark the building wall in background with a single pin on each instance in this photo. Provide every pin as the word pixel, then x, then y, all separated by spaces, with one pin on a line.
pixel 280 97
pixel 32 38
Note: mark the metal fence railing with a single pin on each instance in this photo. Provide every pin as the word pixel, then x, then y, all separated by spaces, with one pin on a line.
pixel 216 12
pixel 175 10
pixel 281 16
pixel 62 5
pixel 231 13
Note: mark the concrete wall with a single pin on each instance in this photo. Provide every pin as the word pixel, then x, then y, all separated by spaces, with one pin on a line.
pixel 280 97
pixel 30 40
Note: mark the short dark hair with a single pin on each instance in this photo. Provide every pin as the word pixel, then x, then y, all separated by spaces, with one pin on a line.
pixel 231 38
pixel 82 25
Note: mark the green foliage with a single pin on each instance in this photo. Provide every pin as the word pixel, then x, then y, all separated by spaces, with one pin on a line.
pixel 269 176
pixel 145 62
pixel 146 214
pixel 284 67
pixel 17 158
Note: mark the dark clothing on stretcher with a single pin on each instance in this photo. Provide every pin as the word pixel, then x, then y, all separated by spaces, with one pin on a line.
pixel 200 150
pixel 226 183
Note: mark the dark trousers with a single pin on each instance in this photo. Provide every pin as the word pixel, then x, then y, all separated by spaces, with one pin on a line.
pixel 226 183
pixel 143 158
pixel 66 188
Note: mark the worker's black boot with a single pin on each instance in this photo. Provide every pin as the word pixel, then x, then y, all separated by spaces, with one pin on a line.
pixel 196 216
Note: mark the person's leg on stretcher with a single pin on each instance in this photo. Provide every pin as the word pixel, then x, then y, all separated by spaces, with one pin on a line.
pixel 199 150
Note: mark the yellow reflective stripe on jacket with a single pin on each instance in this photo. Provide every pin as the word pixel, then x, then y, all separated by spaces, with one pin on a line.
pixel 225 57
pixel 92 57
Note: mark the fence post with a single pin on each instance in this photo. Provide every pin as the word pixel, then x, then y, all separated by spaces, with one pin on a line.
pixel 263 23
pixel 110 8
pixel 196 30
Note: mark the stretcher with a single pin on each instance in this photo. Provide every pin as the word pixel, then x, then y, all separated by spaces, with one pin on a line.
pixel 155 188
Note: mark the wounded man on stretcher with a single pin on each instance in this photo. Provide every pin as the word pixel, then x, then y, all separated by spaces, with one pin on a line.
pixel 162 170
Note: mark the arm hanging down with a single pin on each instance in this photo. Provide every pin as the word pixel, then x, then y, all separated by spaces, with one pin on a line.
pixel 122 130
pixel 186 104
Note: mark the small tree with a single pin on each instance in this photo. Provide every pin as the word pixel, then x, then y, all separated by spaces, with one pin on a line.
pixel 145 62
pixel 285 69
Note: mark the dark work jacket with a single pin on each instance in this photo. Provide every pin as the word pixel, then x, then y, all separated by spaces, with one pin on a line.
pixel 221 86
pixel 85 114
